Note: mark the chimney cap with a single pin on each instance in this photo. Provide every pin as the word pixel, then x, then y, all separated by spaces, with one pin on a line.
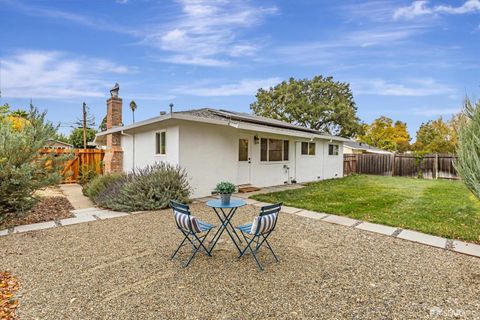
pixel 114 90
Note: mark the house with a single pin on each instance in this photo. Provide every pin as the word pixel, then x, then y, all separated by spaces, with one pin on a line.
pixel 353 147
pixel 220 145
pixel 56 144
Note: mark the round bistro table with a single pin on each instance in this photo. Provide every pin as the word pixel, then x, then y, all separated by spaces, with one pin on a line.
pixel 225 213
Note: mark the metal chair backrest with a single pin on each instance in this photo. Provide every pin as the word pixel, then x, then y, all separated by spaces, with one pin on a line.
pixel 271 209
pixel 183 209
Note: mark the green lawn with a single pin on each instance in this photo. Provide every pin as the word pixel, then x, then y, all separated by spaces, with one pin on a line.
pixel 439 207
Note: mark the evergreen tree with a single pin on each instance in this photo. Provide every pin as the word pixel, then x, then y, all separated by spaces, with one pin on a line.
pixel 23 169
pixel 468 149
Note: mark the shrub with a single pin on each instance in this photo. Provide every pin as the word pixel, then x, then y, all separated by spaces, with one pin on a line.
pixel 225 187
pixel 99 183
pixel 87 172
pixel 150 188
pixel 23 170
pixel 468 149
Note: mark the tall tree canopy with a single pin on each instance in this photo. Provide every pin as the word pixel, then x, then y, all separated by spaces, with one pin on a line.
pixel 437 136
pixel 76 137
pixel 468 148
pixel 383 133
pixel 319 103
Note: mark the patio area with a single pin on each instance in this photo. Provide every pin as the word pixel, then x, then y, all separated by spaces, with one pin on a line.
pixel 120 268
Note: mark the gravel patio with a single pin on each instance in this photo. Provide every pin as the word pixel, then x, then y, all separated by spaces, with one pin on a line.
pixel 120 269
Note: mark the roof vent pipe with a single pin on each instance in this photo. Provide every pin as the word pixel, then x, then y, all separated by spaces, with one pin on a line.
pixel 171 107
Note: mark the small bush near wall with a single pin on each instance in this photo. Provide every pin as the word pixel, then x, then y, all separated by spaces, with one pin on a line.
pixel 98 184
pixel 150 188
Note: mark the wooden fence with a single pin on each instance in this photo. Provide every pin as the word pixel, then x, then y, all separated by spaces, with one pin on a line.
pixel 82 159
pixel 431 166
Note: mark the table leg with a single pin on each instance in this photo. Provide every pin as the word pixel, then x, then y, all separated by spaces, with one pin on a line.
pixel 225 221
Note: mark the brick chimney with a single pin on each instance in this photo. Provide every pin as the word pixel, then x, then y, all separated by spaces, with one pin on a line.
pixel 113 159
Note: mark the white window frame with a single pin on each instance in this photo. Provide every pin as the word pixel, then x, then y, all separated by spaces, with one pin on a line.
pixel 268 153
pixel 338 150
pixel 308 149
pixel 160 142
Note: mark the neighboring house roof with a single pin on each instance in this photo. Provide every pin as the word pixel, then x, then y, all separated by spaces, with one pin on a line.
pixel 363 146
pixel 235 119
pixel 53 142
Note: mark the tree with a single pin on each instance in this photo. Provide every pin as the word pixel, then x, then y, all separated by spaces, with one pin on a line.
pixel 320 103
pixel 23 170
pixel 386 135
pixel 436 136
pixel 468 148
pixel 103 125
pixel 76 137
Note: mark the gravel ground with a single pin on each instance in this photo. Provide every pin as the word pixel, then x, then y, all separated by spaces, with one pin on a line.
pixel 119 269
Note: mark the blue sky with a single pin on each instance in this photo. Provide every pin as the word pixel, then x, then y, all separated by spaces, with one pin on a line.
pixel 410 60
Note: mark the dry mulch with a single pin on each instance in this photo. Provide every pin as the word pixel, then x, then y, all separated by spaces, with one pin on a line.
pixel 120 269
pixel 8 302
pixel 49 208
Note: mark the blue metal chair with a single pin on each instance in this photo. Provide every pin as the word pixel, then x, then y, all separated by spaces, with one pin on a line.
pixel 191 227
pixel 259 230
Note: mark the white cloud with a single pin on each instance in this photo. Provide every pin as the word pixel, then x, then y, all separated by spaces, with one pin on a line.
pixel 52 74
pixel 430 112
pixel 416 9
pixel 74 17
pixel 244 87
pixel 414 88
pixel 207 32
pixel 421 8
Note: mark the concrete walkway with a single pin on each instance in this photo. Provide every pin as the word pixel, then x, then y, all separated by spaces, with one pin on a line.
pixel 74 194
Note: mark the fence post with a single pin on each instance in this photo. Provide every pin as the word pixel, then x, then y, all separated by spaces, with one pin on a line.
pixel 393 165
pixel 436 166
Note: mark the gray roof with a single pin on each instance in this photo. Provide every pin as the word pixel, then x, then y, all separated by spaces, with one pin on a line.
pixel 224 116
pixel 246 117
pixel 363 146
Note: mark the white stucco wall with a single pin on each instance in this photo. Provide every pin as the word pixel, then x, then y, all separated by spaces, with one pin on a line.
pixel 209 153
pixel 145 148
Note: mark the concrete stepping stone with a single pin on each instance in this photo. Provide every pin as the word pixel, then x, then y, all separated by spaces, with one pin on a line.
pixel 344 221
pixel 423 238
pixel 377 228
pixel 3 232
pixel 75 220
pixel 106 214
pixel 34 226
pixel 85 210
pixel 311 214
pixel 466 248
pixel 290 210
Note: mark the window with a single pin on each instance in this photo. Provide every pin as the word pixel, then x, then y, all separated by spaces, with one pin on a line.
pixel 242 149
pixel 308 148
pixel 333 149
pixel 160 142
pixel 273 150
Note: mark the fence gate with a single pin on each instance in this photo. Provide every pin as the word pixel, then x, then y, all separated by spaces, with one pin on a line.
pixel 83 159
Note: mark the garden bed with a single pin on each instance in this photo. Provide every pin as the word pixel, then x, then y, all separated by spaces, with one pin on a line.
pixel 53 205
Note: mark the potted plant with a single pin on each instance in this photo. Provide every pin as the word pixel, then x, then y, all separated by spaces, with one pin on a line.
pixel 225 189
